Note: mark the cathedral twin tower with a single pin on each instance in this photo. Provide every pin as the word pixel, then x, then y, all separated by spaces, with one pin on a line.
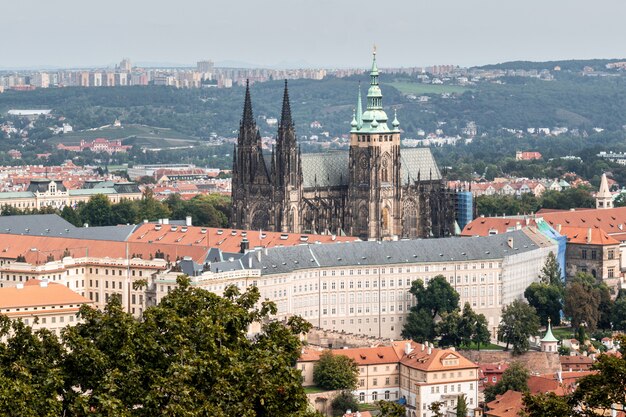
pixel 376 190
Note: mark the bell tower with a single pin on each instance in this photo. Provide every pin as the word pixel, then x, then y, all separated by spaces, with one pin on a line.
pixel 374 185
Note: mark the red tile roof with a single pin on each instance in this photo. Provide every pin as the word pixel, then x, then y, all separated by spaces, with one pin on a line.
pixel 36 295
pixel 506 405
pixel 228 240
pixel 587 235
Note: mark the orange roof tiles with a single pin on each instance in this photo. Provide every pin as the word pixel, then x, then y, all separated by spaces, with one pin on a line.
pixel 228 240
pixel 587 235
pixel 481 226
pixel 36 249
pixel 506 405
pixel 612 221
pixel 549 382
pixel 36 295
pixel 418 358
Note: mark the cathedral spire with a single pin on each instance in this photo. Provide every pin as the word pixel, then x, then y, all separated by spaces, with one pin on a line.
pixel 285 117
pixel 247 118
pixel 359 109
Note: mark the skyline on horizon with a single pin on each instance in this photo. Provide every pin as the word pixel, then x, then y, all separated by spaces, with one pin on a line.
pixel 289 33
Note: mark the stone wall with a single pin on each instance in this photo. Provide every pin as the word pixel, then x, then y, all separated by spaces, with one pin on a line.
pixel 338 340
pixel 536 362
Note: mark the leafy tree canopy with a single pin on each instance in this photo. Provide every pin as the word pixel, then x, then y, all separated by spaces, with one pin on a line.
pixel 335 372
pixel 188 356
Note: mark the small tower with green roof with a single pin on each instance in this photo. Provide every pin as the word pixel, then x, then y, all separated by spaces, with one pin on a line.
pixel 549 343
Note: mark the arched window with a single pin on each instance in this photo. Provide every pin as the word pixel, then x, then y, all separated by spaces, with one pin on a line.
pixel 374 396
pixel 361 396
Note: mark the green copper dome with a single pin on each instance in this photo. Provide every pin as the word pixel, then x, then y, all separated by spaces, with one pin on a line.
pixel 374 119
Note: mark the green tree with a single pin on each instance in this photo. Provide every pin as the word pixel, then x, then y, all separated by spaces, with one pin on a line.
pixel 97 211
pixel 518 322
pixel 551 272
pixel 447 329
pixel 343 402
pixel 189 355
pixel 618 312
pixel 515 378
pixel 546 299
pixel 547 294
pixel 438 297
pixel 70 215
pixel 391 409
pixel 335 372
pixel 461 406
pixel 582 301
pixel 435 408
pixel 419 326
pixel 435 299
pixel 31 375
pixel 150 208
pixel 482 335
pixel 124 212
pixel 546 405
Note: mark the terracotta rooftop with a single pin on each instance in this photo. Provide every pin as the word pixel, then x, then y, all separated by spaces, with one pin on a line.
pixel 611 221
pixel 418 358
pixel 549 382
pixel 228 240
pixel 506 405
pixel 587 235
pixel 37 295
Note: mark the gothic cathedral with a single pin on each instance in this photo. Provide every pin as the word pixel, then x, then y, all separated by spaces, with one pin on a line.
pixel 376 190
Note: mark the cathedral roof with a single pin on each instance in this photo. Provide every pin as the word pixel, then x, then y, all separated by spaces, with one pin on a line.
pixel 332 169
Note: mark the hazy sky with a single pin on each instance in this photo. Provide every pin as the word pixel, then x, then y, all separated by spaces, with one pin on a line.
pixel 328 33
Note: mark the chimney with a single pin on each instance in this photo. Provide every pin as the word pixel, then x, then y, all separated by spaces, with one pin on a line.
pixel 249 262
pixel 558 228
pixel 43 283
pixel 19 286
pixel 166 221
pixel 86 225
pixel 160 221
pixel 407 348
pixel 423 347
pixel 509 242
pixel 244 245
pixel 258 255
pixel 430 350
pixel 589 235
pixel 188 221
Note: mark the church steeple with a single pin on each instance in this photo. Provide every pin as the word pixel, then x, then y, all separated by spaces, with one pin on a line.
pixel 247 118
pixel 374 95
pixel 285 117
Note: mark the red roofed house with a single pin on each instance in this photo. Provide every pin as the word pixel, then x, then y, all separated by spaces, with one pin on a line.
pixel 491 373
pixel 417 373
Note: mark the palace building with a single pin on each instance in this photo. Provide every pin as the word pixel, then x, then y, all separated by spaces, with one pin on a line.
pixel 376 190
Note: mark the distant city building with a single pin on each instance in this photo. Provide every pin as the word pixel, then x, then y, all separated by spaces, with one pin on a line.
pixel 527 156
pixel 50 193
pixel 125 66
pixel 205 66
pixel 97 145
